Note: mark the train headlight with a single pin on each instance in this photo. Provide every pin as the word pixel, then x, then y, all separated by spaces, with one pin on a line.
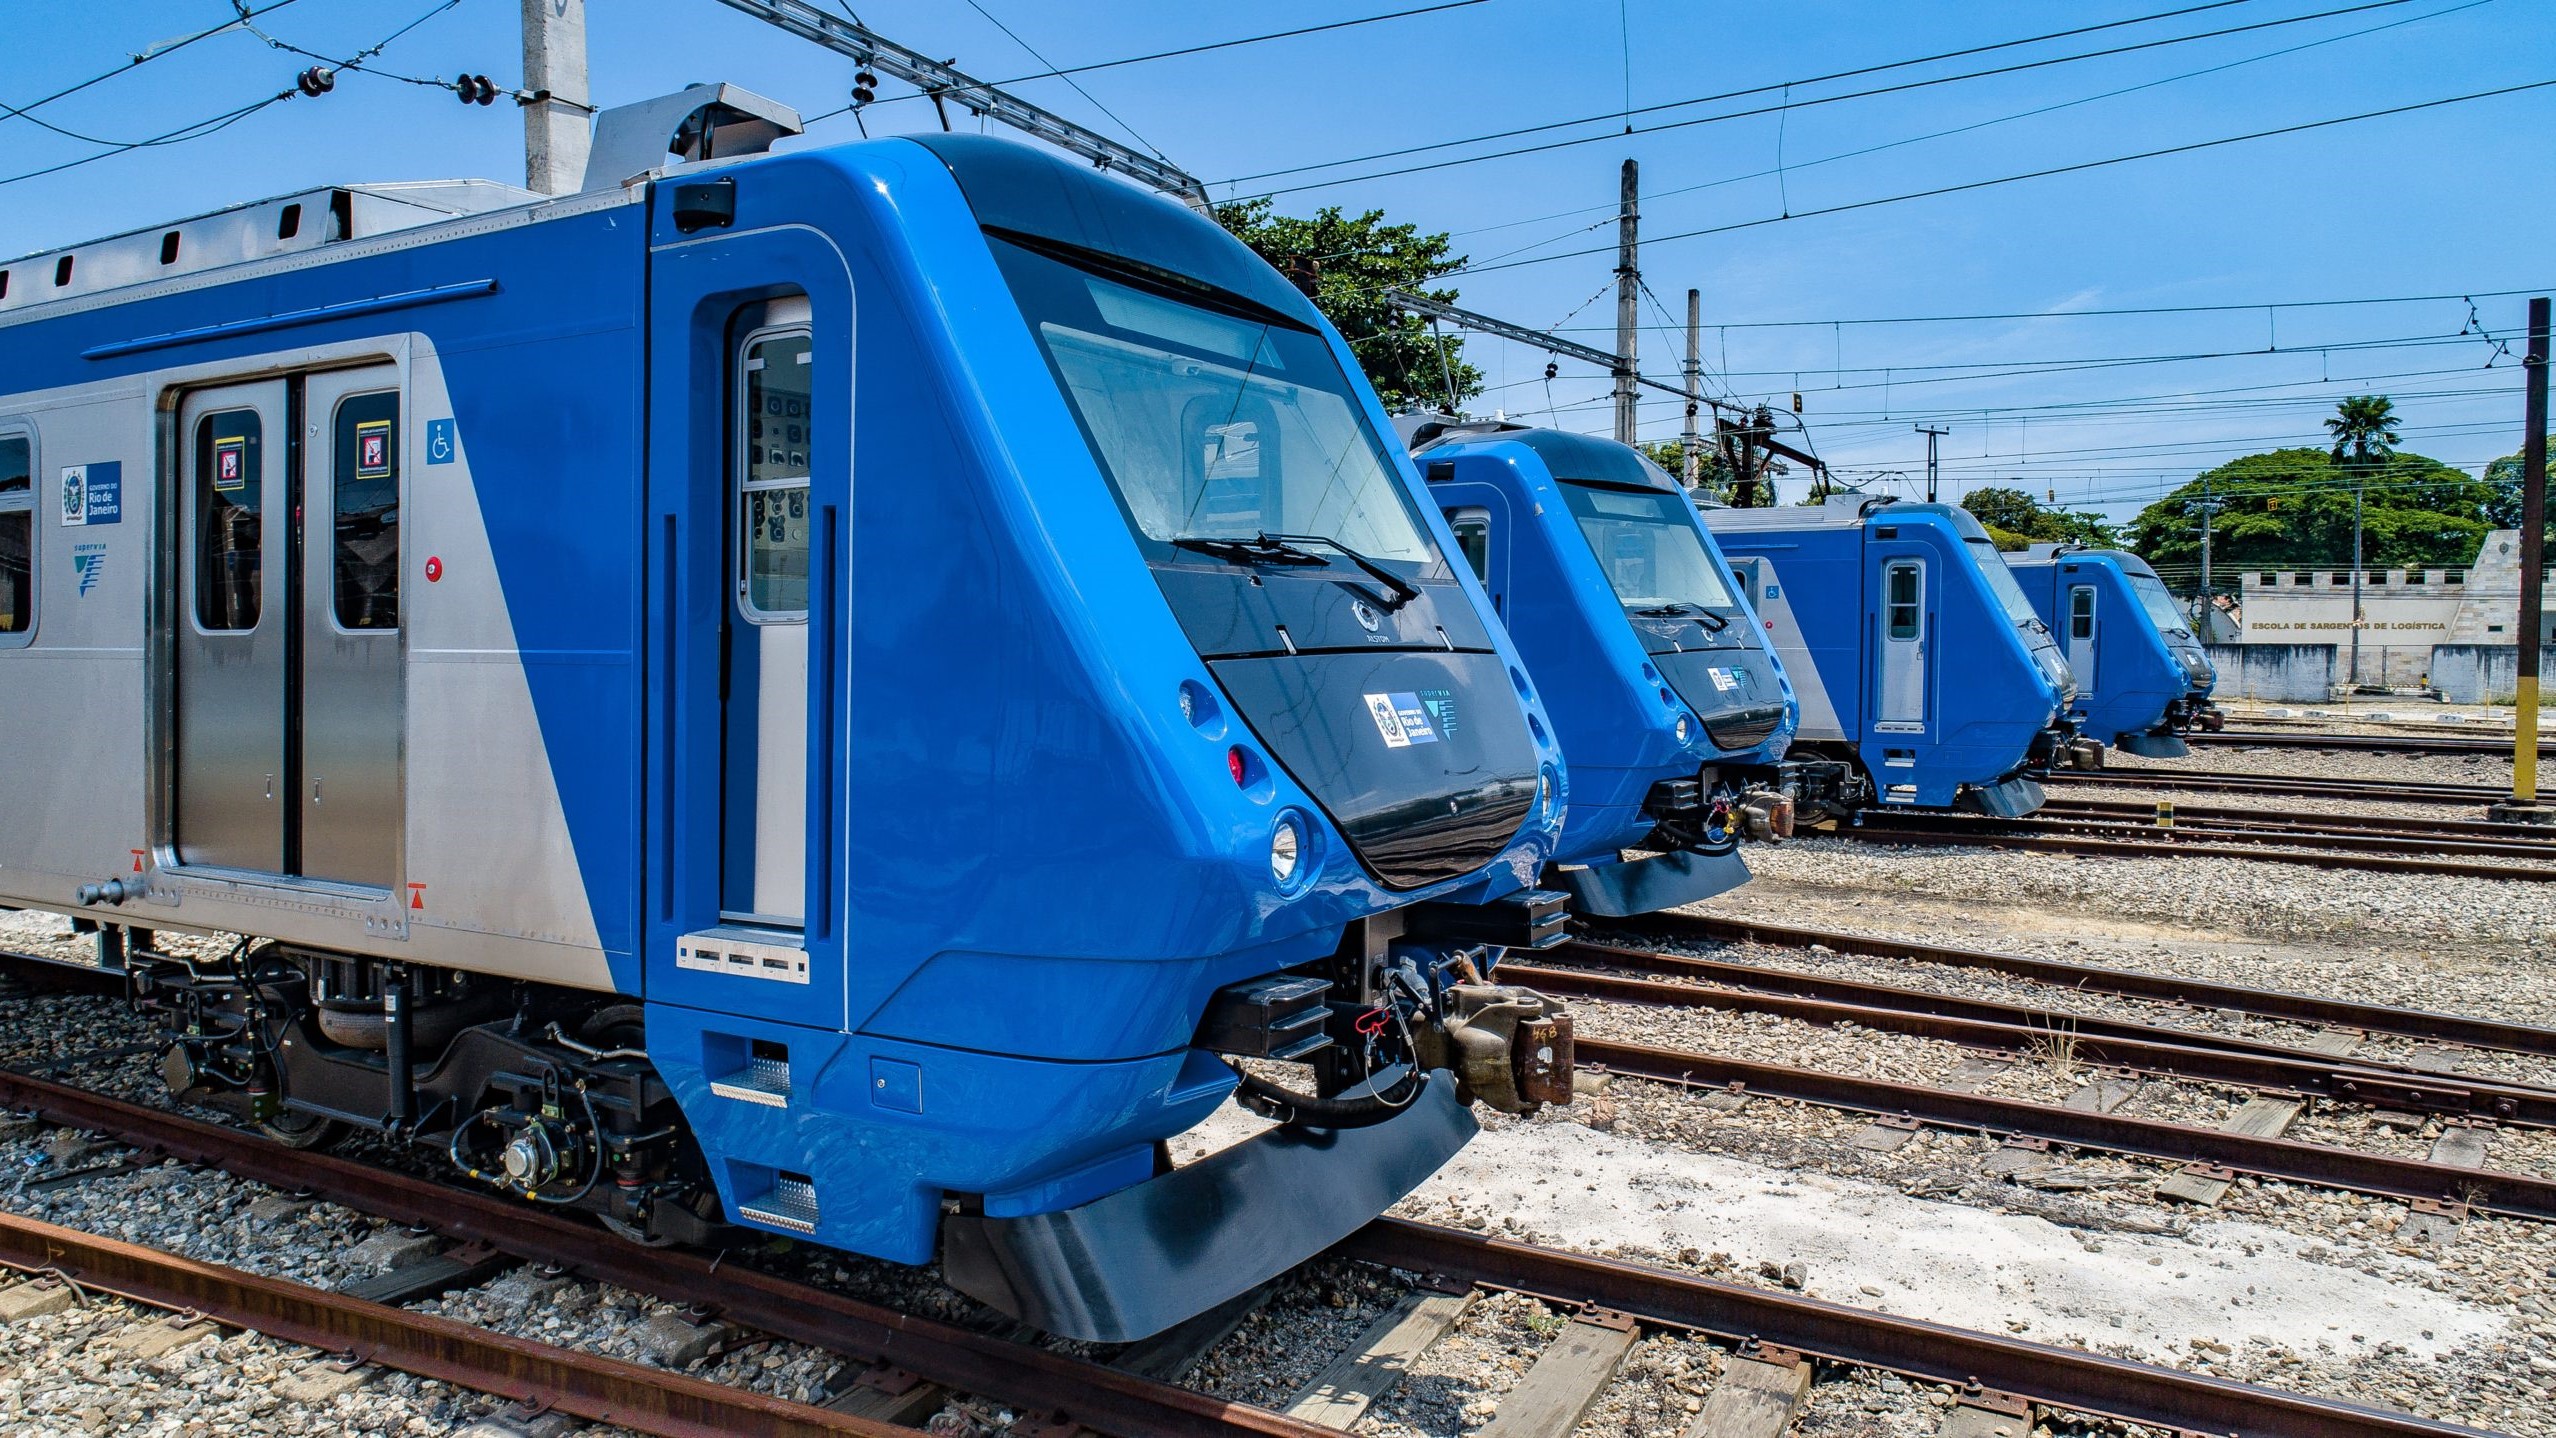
pixel 1683 729
pixel 1286 850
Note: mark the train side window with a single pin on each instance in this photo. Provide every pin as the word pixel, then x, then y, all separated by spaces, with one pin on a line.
pixel 230 483
pixel 1903 600
pixel 2081 601
pixel 17 539
pixel 367 491
pixel 1473 536
pixel 772 495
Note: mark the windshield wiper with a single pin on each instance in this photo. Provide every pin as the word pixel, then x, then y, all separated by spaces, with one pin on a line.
pixel 1402 589
pixel 1259 549
pixel 1680 609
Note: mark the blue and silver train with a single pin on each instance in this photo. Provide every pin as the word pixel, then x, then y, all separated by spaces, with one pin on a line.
pixel 1917 659
pixel 2142 678
pixel 1667 699
pixel 828 692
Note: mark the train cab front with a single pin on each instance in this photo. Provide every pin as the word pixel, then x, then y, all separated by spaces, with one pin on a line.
pixel 1669 700
pixel 2023 679
pixel 1352 783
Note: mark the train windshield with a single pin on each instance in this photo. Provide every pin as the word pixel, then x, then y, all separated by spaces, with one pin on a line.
pixel 2167 615
pixel 1647 544
pixel 2001 582
pixel 1216 422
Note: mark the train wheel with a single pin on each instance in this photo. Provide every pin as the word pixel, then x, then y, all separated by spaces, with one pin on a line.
pixel 303 1130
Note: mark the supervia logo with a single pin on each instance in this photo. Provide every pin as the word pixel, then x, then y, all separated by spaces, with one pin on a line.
pixel 88 562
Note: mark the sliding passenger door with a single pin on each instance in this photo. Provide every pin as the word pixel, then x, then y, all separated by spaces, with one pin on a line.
pixel 349 791
pixel 232 626
pixel 764 752
pixel 286 627
pixel 2081 635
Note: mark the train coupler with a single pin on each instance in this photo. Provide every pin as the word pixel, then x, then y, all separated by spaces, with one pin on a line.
pixel 1508 1047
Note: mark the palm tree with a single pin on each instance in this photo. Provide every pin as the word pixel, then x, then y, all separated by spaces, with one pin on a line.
pixel 2364 430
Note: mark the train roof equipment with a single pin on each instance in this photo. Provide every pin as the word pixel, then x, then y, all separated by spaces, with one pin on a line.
pixel 2142 677
pixel 1664 692
pixel 1915 654
pixel 467 597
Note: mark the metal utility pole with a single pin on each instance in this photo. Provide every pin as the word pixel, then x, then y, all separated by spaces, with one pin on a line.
pixel 555 130
pixel 2523 807
pixel 2208 508
pixel 2359 479
pixel 944 82
pixel 1934 434
pixel 1628 281
pixel 1694 442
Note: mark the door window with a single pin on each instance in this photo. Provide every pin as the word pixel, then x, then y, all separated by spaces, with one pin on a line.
pixel 2081 602
pixel 1903 601
pixel 772 498
pixel 229 499
pixel 366 558
pixel 1473 536
pixel 17 539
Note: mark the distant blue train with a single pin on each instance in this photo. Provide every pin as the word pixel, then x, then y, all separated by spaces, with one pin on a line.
pixel 2142 678
pixel 828 692
pixel 1916 657
pixel 1672 710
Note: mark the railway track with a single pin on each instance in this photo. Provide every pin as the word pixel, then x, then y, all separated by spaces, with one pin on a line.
pixel 2462 836
pixel 1613 1305
pixel 2314 1010
pixel 2407 853
pixel 2374 791
pixel 2353 743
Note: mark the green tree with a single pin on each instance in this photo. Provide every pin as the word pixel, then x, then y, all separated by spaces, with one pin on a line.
pixel 1345 264
pixel 2503 480
pixel 2292 509
pixel 2364 430
pixel 1713 477
pixel 2016 520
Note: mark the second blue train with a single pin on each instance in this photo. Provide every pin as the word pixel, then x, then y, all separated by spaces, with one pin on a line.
pixel 2142 676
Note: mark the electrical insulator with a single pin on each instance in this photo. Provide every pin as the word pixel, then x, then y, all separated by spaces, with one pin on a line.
pixel 1551 370
pixel 865 86
pixel 476 90
pixel 316 81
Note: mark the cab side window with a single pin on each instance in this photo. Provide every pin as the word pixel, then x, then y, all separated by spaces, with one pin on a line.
pixel 17 539
pixel 2081 610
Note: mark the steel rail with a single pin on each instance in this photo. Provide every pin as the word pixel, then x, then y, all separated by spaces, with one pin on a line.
pixel 2354 743
pixel 1026 1377
pixel 2066 821
pixel 586 1385
pixel 2502 837
pixel 2519 1195
pixel 2056 1377
pixel 1982 836
pixel 2009 1028
pixel 2230 781
pixel 2095 978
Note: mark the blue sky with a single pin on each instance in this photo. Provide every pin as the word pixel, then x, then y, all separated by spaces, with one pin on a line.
pixel 2450 200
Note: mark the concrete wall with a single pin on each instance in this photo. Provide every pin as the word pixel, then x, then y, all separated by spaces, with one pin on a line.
pixel 2481 673
pixel 2277 673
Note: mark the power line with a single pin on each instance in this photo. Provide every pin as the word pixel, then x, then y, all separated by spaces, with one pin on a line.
pixel 1786 106
pixel 1765 89
pixel 2229 308
pixel 1014 37
pixel 135 61
pixel 2041 174
pixel 1973 126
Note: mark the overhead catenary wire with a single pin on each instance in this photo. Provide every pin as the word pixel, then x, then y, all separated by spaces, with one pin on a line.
pixel 1786 105
pixel 135 61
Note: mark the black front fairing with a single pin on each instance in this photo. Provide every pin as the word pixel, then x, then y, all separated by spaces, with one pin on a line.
pixel 1733 690
pixel 1440 802
pixel 1295 651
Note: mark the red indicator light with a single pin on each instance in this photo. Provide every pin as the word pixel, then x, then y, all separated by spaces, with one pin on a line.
pixel 434 569
pixel 1234 764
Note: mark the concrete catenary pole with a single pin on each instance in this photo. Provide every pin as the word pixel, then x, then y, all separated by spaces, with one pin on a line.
pixel 1693 441
pixel 555 130
pixel 2359 478
pixel 1628 280
pixel 2524 805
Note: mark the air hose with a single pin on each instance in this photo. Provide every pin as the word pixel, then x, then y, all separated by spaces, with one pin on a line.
pixel 1289 1107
